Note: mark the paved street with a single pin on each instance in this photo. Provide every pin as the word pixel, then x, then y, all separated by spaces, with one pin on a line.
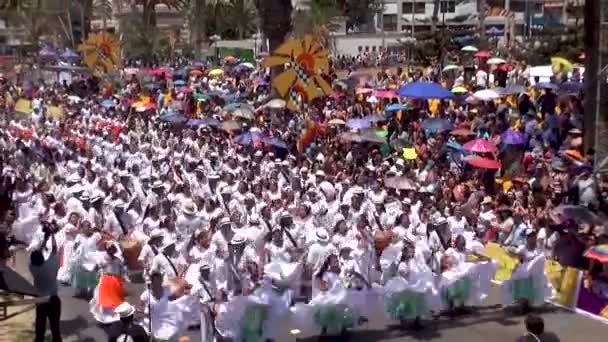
pixel 488 324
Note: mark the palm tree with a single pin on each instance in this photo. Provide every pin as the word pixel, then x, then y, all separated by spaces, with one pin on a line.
pixel 318 19
pixel 28 14
pixel 149 9
pixel 275 20
pixel 197 12
pixel 435 17
pixel 241 15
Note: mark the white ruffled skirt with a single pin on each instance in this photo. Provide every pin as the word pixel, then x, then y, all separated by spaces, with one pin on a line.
pixel 527 282
pixel 407 300
pixel 466 285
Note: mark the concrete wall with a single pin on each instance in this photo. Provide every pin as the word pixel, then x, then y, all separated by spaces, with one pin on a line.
pixel 350 44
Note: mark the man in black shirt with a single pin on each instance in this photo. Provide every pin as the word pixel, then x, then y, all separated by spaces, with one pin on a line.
pixel 126 329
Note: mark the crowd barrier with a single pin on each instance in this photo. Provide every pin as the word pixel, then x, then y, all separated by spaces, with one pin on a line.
pixel 572 291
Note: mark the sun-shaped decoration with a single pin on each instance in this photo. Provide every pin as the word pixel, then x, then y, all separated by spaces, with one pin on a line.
pixel 101 52
pixel 304 61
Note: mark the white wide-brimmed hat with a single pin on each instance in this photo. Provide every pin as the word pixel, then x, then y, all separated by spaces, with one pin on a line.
pixel 124 310
pixel 322 235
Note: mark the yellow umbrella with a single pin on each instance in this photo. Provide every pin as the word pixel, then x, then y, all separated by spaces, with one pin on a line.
pixel 459 90
pixel 409 154
pixel 216 72
pixel 561 64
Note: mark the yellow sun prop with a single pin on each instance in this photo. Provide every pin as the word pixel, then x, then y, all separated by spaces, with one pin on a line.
pixel 304 61
pixel 101 52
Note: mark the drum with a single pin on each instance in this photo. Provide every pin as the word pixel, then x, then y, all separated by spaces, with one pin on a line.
pixel 178 287
pixel 131 249
pixel 382 239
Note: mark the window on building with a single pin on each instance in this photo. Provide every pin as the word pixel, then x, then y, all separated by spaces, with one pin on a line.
pixel 448 6
pixel 360 48
pixel 367 49
pixel 406 7
pixel 374 48
pixel 390 22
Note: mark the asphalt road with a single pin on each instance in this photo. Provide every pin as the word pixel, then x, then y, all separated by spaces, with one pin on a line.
pixel 488 324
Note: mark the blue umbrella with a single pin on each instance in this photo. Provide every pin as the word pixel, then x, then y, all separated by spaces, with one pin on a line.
pixel 424 90
pixel 547 85
pixel 358 123
pixel 454 145
pixel 69 55
pixel 107 103
pixel 173 117
pixel 47 53
pixel 179 83
pixel 248 138
pixel 375 118
pixel 195 123
pixel 395 107
pixel 570 87
pixel 152 86
pixel 436 125
pixel 276 142
pixel 511 137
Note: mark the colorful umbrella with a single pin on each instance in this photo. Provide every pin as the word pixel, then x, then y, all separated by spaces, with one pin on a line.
pixel 395 107
pixel 483 163
pixel 561 64
pixel 247 65
pixel 437 125
pixel 400 183
pixel 276 142
pixel 511 137
pixel 336 122
pixel 276 104
pixel 179 83
pixel 384 94
pixel 579 214
pixel 480 146
pixel 496 61
pixel 244 113
pixel 375 118
pixel 598 252
pixel 487 95
pixel 450 67
pixel 424 90
pixel 69 55
pixel 459 90
pixel 514 89
pixel 216 72
pixel 196 72
pixel 229 126
pixel 469 48
pixel 248 138
pixel 230 59
pixel 547 85
pixel 358 124
pixel 463 132
pixel 482 54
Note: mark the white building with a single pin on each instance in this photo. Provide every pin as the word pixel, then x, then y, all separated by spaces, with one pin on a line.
pixel 406 15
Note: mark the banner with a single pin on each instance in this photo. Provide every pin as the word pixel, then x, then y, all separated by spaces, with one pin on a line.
pixel 23 106
pixel 593 297
pixel 505 262
pixel 56 113
pixel 564 281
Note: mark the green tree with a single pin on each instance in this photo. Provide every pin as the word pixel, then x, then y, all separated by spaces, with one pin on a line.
pixel 275 20
pixel 318 19
pixel 360 13
pixel 241 17
pixel 29 14
pixel 435 17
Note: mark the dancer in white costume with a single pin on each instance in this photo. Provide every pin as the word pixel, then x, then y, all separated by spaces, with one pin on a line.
pixel 528 285
pixel 409 294
pixel 334 308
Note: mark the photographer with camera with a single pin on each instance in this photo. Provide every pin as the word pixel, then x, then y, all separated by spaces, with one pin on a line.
pixel 44 273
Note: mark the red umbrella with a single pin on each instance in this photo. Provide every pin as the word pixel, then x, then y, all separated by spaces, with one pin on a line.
pixel 462 132
pixel 598 252
pixel 480 146
pixel 384 94
pixel 483 163
pixel 482 54
pixel 196 72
